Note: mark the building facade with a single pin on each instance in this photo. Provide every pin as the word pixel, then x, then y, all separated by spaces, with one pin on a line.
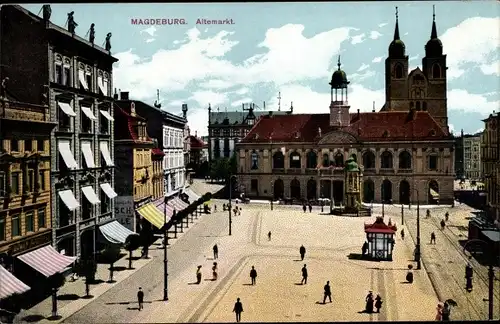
pixel 174 166
pixel 134 162
pixel 25 213
pixel 490 158
pixel 405 149
pixel 198 152
pixel 225 129
pixel 74 78
pixel 472 157
pixel 459 156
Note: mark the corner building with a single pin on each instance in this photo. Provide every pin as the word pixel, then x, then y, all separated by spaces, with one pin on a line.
pixel 405 149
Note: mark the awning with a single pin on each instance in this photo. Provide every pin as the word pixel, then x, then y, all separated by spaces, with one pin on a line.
pixel 105 83
pixel 115 232
pixel 87 154
pixel 108 190
pixel 88 112
pixel 493 236
pixel 81 77
pixel 67 154
pixel 10 285
pixel 47 260
pixel 69 199
pixel 66 108
pixel 169 210
pixel 178 204
pixel 105 153
pixel 192 196
pixel 434 194
pixel 152 214
pixel 89 192
pixel 100 83
pixel 107 115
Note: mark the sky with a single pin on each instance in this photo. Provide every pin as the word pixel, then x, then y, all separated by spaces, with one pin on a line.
pixel 291 49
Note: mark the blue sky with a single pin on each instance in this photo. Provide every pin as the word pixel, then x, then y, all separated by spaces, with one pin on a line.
pixel 292 48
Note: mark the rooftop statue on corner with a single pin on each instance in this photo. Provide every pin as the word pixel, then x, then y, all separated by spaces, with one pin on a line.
pixel 47 12
pixel 108 42
pixel 71 22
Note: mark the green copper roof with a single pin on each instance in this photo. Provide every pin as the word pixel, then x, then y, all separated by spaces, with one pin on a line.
pixel 351 165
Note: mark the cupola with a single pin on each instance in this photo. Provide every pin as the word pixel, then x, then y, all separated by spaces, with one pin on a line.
pixel 397 48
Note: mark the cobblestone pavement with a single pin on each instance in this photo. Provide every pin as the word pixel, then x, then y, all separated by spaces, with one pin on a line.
pixel 445 261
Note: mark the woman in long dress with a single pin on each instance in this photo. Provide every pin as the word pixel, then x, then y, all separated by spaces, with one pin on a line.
pixel 369 302
pixel 439 312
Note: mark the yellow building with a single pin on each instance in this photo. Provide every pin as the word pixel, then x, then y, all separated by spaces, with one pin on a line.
pixel 25 213
pixel 490 162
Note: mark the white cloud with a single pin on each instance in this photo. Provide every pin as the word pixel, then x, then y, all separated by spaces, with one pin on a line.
pixel 150 30
pixel 480 130
pixel 463 44
pixel 358 39
pixel 305 100
pixel 413 58
pixel 216 84
pixel 463 101
pixel 238 103
pixel 150 40
pixel 405 34
pixel 377 59
pixel 382 25
pixel 451 128
pixel 359 77
pixel 493 68
pixel 363 67
pixel 203 98
pixel 198 121
pixel 375 34
pixel 242 91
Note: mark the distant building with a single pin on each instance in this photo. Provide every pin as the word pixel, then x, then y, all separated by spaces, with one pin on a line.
pixel 225 129
pixel 472 156
pixel 490 158
pixel 198 152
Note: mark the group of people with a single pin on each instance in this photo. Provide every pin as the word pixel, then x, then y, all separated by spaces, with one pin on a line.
pixel 371 302
pixel 305 206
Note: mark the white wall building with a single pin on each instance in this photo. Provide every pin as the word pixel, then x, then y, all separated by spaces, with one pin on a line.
pixel 174 166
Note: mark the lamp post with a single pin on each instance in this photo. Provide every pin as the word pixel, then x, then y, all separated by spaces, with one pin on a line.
pixel 491 273
pixel 230 194
pixel 165 256
pixel 402 214
pixel 383 201
pixel 417 249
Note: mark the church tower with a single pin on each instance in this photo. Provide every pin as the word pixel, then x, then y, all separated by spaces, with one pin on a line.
pixel 396 74
pixel 339 108
pixel 434 69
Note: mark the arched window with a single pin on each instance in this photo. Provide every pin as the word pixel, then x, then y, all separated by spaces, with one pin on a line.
pixel 399 71
pixel 404 160
pixel 436 71
pixel 312 160
pixel 386 160
pixel 278 160
pixel 339 159
pixel 255 160
pixel 424 106
pixel 418 105
pixel 369 160
pixel 326 160
pixel 295 160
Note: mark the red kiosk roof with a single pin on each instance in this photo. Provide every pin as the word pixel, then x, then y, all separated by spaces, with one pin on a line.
pixel 380 227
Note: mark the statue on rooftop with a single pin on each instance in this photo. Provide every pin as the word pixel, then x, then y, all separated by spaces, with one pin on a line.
pixel 92 33
pixel 47 12
pixel 71 22
pixel 108 42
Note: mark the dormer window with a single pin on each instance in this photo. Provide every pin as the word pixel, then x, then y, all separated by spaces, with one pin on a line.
pixel 432 132
pixel 250 121
pixel 297 134
pixel 256 136
pixel 385 134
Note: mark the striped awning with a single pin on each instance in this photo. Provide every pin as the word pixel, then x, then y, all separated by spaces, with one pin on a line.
pixel 192 196
pixel 10 285
pixel 115 232
pixel 169 209
pixel 47 260
pixel 152 214
pixel 178 204
pixel 434 194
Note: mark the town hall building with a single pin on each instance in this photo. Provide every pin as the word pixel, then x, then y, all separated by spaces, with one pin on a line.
pixel 405 149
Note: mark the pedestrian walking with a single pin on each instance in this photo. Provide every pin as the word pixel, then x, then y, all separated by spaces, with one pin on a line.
pixel 364 248
pixel 428 214
pixel 310 208
pixel 443 224
pixel 304 275
pixel 214 271
pixel 445 312
pixel 322 204
pixel 215 208
pixel 433 238
pixel 439 312
pixel 140 298
pixel 327 292
pixel 238 309
pixel 447 216
pixel 269 236
pixel 378 303
pixel 253 275
pixel 302 252
pixel 216 252
pixel 369 302
pixel 198 275
pixel 403 234
pixel 304 208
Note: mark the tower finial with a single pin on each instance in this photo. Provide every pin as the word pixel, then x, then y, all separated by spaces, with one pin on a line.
pixel 396 29
pixel 279 101
pixel 433 13
pixel 396 13
pixel 338 63
pixel 434 33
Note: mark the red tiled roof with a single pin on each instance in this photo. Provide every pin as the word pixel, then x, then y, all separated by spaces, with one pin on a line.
pixel 196 142
pixel 157 151
pixel 372 126
pixel 131 120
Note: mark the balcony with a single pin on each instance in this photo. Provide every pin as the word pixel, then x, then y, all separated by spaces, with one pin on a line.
pixel 14 110
pixel 311 171
pixel 294 171
pixel 331 171
pixel 386 171
pixel 278 171
pixel 369 171
pixel 405 170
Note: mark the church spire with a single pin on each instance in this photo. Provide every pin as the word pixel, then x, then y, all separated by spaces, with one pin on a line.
pixel 396 28
pixel 339 64
pixel 434 33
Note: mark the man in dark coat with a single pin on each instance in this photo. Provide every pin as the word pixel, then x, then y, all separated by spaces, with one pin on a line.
pixel 310 208
pixel 253 275
pixel 302 252
pixel 238 309
pixel 216 252
pixel 364 249
pixel 304 275
pixel 304 208
pixel 328 292
pixel 140 298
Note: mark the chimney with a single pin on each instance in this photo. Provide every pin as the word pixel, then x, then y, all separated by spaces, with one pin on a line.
pixel 373 109
pixel 243 106
pixel 184 110
pixel 115 96
pixel 264 105
pixel 124 95
pixel 196 133
pixel 358 113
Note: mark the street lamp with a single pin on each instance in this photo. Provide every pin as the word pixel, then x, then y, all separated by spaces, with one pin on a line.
pixel 165 257
pixel 230 193
pixel 491 273
pixel 417 250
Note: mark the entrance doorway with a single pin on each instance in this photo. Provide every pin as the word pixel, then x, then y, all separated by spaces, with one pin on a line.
pixel 368 191
pixel 433 196
pixel 295 189
pixel 325 189
pixel 387 191
pixel 404 192
pixel 338 192
pixel 278 189
pixel 311 189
